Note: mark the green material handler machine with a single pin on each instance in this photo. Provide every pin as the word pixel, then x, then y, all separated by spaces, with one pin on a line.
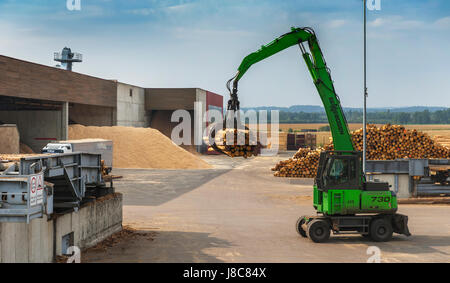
pixel 346 203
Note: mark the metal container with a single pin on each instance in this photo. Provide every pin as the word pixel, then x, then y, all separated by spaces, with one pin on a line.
pixel 412 177
pixel 97 146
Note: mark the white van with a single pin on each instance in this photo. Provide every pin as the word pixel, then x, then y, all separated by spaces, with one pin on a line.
pixel 57 148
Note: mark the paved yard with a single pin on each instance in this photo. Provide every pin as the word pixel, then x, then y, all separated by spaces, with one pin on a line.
pixel 239 212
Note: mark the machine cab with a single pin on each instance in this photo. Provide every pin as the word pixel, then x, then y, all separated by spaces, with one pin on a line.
pixel 339 170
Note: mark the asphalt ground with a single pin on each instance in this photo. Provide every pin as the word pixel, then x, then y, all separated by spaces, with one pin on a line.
pixel 240 212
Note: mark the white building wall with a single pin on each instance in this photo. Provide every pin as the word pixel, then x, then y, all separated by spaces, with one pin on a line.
pixel 201 97
pixel 131 106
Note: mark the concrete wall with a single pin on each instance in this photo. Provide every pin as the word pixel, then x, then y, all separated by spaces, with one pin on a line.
pixel 91 115
pixel 131 106
pixel 9 139
pixel 35 242
pixel 37 128
pixel 22 243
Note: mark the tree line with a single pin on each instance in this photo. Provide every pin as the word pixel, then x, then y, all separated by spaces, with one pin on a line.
pixel 404 118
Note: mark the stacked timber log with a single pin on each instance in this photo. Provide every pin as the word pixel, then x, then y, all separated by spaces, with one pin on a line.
pixel 305 166
pixel 302 152
pixel 237 143
pixel 385 143
pixel 393 141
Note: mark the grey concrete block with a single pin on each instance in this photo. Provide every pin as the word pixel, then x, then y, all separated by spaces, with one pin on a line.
pixel 22 245
pixel 8 244
pixel 34 242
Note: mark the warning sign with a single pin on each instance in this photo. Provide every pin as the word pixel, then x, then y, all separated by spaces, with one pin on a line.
pixel 40 189
pixel 33 188
pixel 36 187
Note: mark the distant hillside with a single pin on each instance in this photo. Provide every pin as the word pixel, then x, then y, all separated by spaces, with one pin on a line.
pixel 320 109
pixel 293 108
pixel 400 115
pixel 409 109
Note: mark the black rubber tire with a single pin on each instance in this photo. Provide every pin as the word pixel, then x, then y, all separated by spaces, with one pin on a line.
pixel 381 230
pixel 318 230
pixel 298 227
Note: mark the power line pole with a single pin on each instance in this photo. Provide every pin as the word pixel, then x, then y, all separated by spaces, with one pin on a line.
pixel 365 92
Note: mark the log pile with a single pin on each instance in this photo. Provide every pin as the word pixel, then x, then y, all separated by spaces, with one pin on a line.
pixel 302 152
pixel 393 142
pixel 303 167
pixel 385 143
pixel 237 143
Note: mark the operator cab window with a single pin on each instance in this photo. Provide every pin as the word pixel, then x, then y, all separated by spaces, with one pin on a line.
pixel 340 172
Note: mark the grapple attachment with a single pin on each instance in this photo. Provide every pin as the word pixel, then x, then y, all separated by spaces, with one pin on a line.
pixel 233 138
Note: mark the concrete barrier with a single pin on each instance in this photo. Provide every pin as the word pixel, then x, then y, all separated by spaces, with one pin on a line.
pixel 42 239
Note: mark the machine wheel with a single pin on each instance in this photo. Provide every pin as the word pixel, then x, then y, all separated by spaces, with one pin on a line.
pixel 318 230
pixel 381 230
pixel 298 226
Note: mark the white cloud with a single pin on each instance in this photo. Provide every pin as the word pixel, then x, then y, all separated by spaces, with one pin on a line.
pixel 396 23
pixel 400 23
pixel 199 33
pixel 442 23
pixel 337 23
pixel 378 22
pixel 181 7
pixel 141 12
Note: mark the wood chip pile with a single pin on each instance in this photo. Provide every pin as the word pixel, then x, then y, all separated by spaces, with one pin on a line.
pixel 387 142
pixel 140 147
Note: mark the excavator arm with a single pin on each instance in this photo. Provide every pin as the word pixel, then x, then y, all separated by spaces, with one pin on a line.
pixel 347 202
pixel 319 72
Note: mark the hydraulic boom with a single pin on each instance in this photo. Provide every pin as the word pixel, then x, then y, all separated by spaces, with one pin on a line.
pixel 319 72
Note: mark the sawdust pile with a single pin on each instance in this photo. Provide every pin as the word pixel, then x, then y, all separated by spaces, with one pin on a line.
pixel 140 148
pixel 25 149
pixel 9 139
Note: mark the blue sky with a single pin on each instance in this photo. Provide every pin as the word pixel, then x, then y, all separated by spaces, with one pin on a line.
pixel 201 43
